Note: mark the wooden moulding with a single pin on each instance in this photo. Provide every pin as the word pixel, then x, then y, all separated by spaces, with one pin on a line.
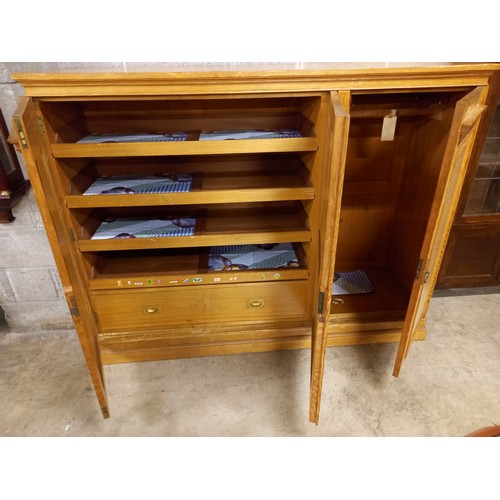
pixel 217 340
pixel 265 79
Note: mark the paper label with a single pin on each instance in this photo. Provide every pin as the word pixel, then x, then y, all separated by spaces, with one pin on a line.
pixel 389 126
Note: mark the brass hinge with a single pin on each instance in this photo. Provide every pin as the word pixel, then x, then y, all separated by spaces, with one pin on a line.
pixel 71 235
pixel 96 318
pixel 419 268
pixel 22 137
pixel 41 125
pixel 74 308
pixel 321 302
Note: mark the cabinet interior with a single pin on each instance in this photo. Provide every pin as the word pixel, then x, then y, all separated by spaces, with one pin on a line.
pixel 388 194
pixel 240 194
pixel 72 121
pixel 222 174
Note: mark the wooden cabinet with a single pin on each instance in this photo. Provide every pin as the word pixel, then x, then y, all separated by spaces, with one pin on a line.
pixel 344 171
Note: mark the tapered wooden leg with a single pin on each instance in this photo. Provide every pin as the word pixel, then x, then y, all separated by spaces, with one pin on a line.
pixel 317 367
pixel 90 348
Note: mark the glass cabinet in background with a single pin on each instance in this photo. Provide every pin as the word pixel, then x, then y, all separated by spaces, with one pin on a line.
pixel 472 256
pixel 484 197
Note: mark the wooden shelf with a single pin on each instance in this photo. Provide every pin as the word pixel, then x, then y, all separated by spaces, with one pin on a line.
pixel 184 148
pixel 73 123
pixel 389 296
pixel 240 226
pixel 178 267
pixel 211 188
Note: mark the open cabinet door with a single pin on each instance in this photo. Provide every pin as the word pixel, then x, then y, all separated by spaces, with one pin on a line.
pixel 330 214
pixel 463 130
pixel 31 139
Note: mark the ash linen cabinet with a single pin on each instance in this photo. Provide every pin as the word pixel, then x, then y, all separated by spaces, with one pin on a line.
pixel 211 213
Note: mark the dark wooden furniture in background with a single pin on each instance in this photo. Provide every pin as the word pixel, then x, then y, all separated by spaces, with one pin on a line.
pixel 12 182
pixel 472 256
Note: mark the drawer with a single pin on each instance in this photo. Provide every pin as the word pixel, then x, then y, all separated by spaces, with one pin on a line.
pixel 126 310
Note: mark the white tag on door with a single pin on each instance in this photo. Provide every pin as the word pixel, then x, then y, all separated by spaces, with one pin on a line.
pixel 389 126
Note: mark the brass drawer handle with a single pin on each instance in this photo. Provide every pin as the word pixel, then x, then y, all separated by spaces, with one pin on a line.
pixel 151 309
pixel 255 303
pixel 337 301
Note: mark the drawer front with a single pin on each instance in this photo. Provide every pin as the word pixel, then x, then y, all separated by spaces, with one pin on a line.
pixel 127 310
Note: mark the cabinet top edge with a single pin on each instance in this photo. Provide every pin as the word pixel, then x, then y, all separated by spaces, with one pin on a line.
pixel 321 77
pixel 307 70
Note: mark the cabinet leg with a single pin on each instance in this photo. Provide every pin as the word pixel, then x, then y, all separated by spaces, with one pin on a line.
pixel 95 372
pixel 105 411
pixel 317 368
pixel 91 352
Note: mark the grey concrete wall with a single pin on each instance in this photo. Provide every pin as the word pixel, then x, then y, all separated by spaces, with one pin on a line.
pixel 31 295
pixel 30 291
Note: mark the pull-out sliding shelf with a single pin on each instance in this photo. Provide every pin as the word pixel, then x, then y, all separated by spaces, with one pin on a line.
pixel 205 197
pixel 216 227
pixel 211 188
pixel 114 150
pixel 194 266
pixel 202 240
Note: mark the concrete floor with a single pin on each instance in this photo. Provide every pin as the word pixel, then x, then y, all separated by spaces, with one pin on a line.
pixel 449 386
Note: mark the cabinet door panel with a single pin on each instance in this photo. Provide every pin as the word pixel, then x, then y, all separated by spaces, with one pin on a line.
pixel 457 153
pixel 37 161
pixel 332 195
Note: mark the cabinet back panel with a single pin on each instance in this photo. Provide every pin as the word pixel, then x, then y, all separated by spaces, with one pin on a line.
pixel 64 120
pixel 70 122
pixel 361 239
pixel 78 174
pixel 372 180
pixel 367 157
